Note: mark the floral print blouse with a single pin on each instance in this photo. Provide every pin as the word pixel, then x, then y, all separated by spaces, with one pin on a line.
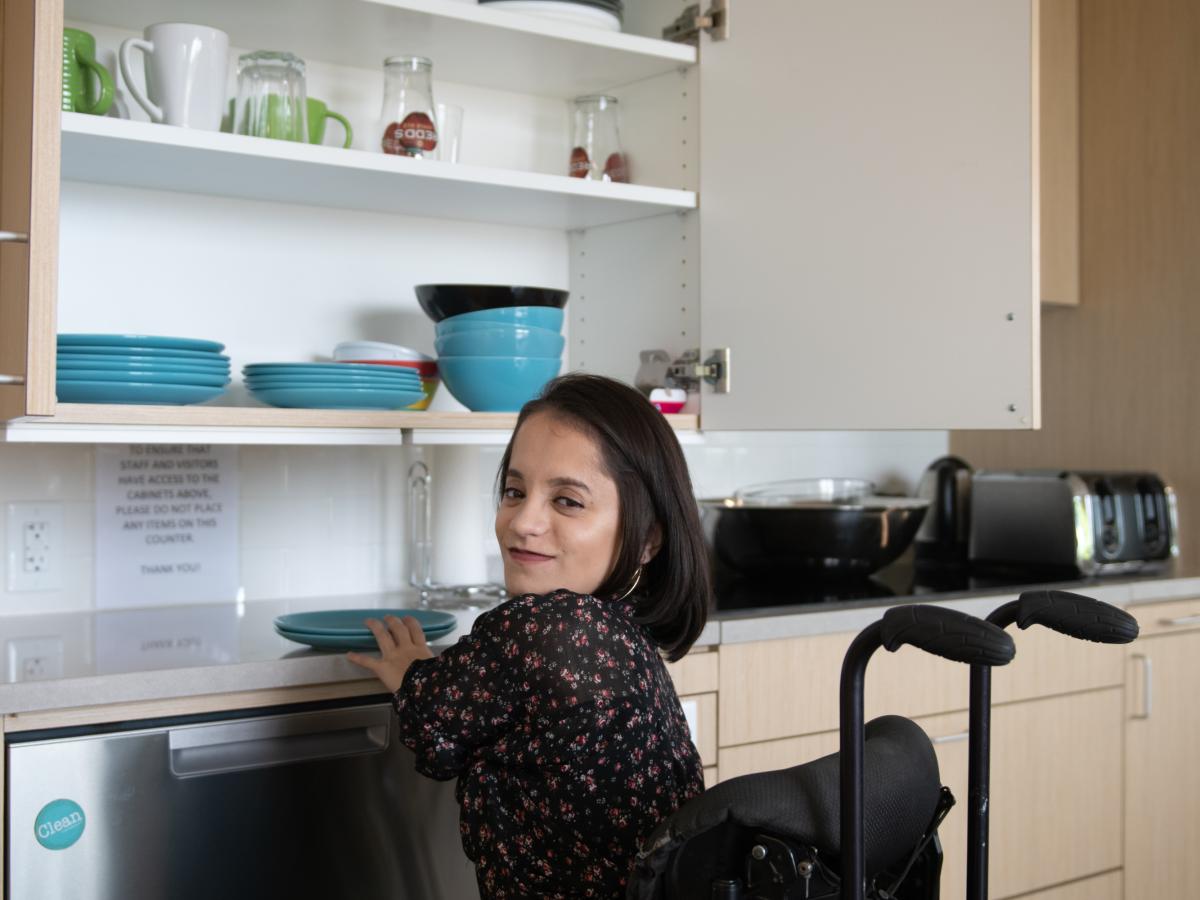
pixel 558 717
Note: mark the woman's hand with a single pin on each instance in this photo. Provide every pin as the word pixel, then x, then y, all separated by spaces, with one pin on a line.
pixel 400 642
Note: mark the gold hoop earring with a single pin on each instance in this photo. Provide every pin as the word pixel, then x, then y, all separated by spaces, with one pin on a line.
pixel 637 577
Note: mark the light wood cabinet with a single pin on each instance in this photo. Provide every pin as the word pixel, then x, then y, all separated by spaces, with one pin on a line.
pixel 1053 819
pixel 30 78
pixel 1055 792
pixel 786 688
pixel 1162 732
pixel 1061 701
pixel 929 177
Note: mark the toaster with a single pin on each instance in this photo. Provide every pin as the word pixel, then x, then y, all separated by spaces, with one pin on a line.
pixel 1093 522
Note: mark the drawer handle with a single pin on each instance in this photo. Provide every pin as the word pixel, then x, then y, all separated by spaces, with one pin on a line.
pixel 1193 619
pixel 1147 685
pixel 15 237
pixel 952 738
pixel 12 379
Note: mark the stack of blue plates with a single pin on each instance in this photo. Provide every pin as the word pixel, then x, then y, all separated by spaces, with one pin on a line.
pixel 345 629
pixel 333 385
pixel 137 368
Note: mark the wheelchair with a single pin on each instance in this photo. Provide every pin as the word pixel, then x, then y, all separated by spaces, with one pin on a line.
pixel 860 824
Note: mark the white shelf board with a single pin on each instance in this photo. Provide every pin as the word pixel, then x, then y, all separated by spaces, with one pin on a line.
pixel 468 43
pixel 81 423
pixel 27 432
pixel 162 157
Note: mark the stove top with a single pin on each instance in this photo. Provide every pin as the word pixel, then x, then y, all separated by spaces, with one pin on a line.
pixel 905 578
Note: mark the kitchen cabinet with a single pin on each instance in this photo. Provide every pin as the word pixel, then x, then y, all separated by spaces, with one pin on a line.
pixel 30 77
pixel 1162 730
pixel 696 682
pixel 787 688
pixel 1053 821
pixel 865 219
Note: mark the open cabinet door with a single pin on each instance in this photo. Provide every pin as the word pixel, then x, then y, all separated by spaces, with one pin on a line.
pixel 30 78
pixel 867 214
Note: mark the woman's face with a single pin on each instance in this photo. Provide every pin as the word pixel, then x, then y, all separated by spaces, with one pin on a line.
pixel 559 512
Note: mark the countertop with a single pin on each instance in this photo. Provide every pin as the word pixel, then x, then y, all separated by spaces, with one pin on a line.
pixel 120 656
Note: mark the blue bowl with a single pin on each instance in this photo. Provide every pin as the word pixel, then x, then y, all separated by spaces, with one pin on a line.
pixel 501 342
pixel 496 383
pixel 537 316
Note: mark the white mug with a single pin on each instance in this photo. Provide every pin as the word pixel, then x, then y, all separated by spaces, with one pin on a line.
pixel 186 73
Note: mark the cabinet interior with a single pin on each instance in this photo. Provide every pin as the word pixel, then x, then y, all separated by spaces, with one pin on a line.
pixel 284 272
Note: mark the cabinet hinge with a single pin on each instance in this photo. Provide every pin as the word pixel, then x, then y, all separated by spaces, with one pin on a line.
pixel 657 370
pixel 686 29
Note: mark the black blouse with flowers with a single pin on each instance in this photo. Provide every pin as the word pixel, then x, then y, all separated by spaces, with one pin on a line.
pixel 558 717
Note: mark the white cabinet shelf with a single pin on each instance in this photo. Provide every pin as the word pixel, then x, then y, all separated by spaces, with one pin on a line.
pixel 81 423
pixel 161 157
pixel 468 43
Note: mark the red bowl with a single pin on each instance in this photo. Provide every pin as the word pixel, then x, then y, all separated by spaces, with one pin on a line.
pixel 668 406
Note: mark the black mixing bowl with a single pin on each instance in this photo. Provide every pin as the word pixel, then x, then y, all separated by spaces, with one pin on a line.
pixel 440 301
pixel 812 538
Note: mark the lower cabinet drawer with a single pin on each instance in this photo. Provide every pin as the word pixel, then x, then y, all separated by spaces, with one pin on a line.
pixel 789 688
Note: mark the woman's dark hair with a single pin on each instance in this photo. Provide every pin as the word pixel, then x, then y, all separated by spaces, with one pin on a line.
pixel 642 455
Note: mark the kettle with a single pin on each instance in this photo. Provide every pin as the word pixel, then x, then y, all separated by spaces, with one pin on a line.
pixel 944 534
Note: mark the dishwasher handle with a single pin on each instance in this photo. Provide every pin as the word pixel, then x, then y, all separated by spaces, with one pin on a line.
pixel 259 743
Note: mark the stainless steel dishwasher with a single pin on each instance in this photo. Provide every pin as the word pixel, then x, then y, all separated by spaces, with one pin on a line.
pixel 309 802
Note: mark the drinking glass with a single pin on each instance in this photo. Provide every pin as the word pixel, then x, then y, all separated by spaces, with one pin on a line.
pixel 271 102
pixel 449 130
pixel 596 149
pixel 406 122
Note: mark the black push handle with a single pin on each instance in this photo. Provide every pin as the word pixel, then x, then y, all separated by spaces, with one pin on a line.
pixel 1076 616
pixel 948 633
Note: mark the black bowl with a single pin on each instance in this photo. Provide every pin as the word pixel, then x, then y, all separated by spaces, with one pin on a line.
pixel 822 540
pixel 441 301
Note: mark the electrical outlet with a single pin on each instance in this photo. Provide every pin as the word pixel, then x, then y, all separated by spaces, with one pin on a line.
pixel 33 659
pixel 35 534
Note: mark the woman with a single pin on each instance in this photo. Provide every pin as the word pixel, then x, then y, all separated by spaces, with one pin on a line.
pixel 556 713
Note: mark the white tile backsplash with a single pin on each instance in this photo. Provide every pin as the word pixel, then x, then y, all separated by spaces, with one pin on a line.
pixel 332 520
pixel 894 460
pixel 313 520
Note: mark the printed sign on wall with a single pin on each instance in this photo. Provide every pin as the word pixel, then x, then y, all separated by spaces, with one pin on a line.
pixel 166 525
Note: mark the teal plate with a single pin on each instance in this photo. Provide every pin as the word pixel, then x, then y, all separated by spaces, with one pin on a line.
pixel 297 381
pixel 350 621
pixel 337 397
pixel 109 376
pixel 341 642
pixel 158 364
pixel 133 392
pixel 157 352
pixel 140 340
pixel 339 370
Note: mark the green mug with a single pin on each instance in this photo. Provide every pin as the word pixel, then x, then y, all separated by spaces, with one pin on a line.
pixel 79 62
pixel 318 112
pixel 270 116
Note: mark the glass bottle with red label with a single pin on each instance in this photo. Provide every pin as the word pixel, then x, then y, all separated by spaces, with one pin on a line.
pixel 407 127
pixel 596 151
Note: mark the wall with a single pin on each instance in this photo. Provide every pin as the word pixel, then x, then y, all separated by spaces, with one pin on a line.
pixel 332 520
pixel 313 520
pixel 1120 373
